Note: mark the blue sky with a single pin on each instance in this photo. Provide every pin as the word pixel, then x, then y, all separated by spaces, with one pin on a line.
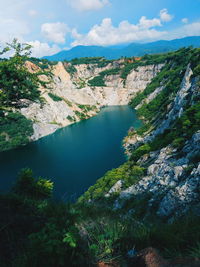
pixel 54 25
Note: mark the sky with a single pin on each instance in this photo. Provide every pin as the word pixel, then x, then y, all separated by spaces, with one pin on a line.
pixel 54 25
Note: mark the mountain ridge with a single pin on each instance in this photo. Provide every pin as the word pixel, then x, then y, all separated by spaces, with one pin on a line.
pixel 133 49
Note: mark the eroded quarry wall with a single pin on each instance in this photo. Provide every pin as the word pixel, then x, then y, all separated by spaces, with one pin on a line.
pixel 77 100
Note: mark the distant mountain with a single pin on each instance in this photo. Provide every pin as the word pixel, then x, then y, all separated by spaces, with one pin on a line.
pixel 134 49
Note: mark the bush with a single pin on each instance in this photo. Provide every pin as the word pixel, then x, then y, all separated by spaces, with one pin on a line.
pixel 81 115
pixel 140 151
pixel 70 69
pixel 28 186
pixel 97 81
pixel 70 118
pixel 170 77
pixel 16 81
pixel 55 98
pixel 15 130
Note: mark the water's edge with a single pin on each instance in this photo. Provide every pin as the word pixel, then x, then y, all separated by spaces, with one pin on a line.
pixel 73 157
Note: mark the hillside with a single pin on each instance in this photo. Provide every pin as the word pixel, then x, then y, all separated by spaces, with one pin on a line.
pixel 150 201
pixel 134 49
pixel 66 93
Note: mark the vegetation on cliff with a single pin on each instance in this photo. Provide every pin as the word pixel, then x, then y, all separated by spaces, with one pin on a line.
pixel 170 78
pixel 181 129
pixel 38 232
pixel 15 130
pixel 18 85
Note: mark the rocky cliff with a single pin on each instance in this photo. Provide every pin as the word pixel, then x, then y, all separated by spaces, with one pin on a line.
pixel 70 98
pixel 173 173
pixel 163 169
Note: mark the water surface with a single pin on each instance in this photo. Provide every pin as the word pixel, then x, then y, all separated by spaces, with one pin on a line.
pixel 74 157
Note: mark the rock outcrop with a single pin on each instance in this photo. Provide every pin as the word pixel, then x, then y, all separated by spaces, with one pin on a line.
pixel 172 179
pixel 52 115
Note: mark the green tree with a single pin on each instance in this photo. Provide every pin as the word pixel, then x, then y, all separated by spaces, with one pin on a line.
pixel 16 82
pixel 30 187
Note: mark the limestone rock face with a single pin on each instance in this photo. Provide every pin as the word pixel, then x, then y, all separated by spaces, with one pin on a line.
pixel 52 115
pixel 175 110
pixel 138 79
pixel 170 179
pixel 173 176
pixel 116 188
pixel 150 97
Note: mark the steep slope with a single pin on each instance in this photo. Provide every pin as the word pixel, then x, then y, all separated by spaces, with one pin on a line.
pixel 164 164
pixel 150 201
pixel 71 97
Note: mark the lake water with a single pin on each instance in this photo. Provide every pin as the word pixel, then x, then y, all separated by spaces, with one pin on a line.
pixel 74 157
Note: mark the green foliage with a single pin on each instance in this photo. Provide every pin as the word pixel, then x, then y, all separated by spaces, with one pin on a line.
pixel 70 239
pixel 15 130
pixel 114 71
pixel 194 252
pixel 145 128
pixel 182 129
pixel 40 233
pixel 140 151
pixel 128 68
pixel 103 239
pixel 81 115
pixel 87 108
pixel 170 77
pixel 196 71
pixel 69 103
pixel 16 82
pixel 28 186
pixel 100 61
pixel 135 173
pixel 179 235
pixel 145 60
pixel 36 231
pixel 70 69
pixel 55 98
pixel 97 81
pixel 127 173
pixel 43 64
pixel 70 118
pixel 178 142
pixel 185 126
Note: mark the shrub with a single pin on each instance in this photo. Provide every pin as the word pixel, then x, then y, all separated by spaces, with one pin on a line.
pixel 55 97
pixel 140 151
pixel 15 130
pixel 97 81
pixel 70 118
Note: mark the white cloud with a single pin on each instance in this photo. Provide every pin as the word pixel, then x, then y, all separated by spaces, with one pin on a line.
pixel 192 29
pixel 106 34
pixel 32 12
pixel 86 5
pixel 55 32
pixel 43 49
pixel 165 16
pixel 12 28
pixel 148 23
pixel 185 20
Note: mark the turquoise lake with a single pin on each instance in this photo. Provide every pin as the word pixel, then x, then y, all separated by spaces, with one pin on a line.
pixel 73 157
